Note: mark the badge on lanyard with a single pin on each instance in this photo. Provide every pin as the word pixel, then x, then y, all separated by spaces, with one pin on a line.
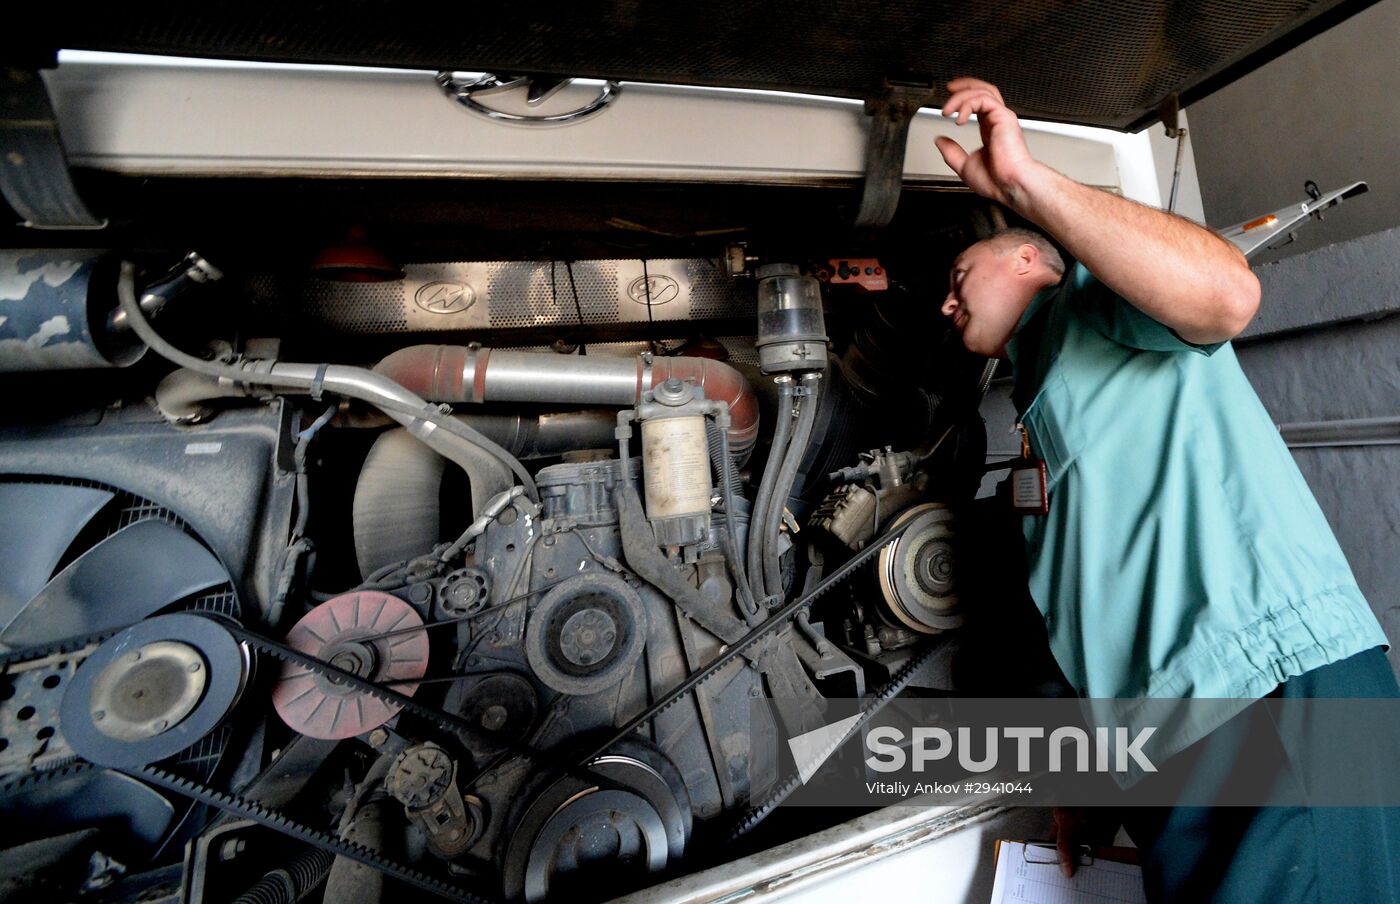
pixel 1029 495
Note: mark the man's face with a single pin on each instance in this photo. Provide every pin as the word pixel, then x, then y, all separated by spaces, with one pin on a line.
pixel 987 294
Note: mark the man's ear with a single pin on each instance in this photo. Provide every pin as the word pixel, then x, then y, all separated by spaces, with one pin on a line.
pixel 1027 257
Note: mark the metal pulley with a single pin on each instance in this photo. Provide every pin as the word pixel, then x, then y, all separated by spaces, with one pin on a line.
pixel 917 574
pixel 639 825
pixel 153 690
pixel 368 634
pixel 586 634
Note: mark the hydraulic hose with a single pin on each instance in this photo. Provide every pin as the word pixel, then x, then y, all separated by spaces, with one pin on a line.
pixel 728 477
pixel 182 394
pixel 782 432
pixel 290 885
pixel 782 487
pixel 984 383
pixel 455 441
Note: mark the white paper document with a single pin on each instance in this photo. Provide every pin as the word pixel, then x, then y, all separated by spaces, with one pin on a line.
pixel 1030 874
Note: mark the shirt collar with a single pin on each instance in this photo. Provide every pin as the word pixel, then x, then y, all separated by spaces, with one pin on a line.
pixel 1040 299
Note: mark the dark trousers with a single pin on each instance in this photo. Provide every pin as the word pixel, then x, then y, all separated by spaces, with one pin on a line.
pixel 1283 854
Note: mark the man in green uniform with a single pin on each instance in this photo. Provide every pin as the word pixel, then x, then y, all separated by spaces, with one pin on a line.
pixel 1182 554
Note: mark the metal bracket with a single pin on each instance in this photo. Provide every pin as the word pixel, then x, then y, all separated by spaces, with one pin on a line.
pixel 1275 229
pixel 34 175
pixel 1169 111
pixel 890 112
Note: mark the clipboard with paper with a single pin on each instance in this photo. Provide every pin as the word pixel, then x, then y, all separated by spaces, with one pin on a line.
pixel 1029 873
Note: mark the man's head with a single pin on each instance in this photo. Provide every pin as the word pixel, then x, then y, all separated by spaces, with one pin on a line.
pixel 992 283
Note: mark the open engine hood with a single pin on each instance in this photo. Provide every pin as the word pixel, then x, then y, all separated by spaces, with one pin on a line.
pixel 1095 62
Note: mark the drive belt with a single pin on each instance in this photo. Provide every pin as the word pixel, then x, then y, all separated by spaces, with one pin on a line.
pixel 778 619
pixel 252 810
pixel 280 822
pixel 887 692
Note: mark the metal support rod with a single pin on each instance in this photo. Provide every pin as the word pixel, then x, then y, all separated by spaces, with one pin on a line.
pixel 1369 431
pixel 1176 169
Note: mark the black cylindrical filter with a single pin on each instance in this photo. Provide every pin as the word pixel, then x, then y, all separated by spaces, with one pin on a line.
pixel 54 306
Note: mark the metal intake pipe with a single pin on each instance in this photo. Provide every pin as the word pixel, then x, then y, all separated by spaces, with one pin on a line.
pixel 396 512
pixel 457 373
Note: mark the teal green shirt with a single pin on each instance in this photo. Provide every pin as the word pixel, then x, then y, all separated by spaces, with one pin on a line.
pixel 1183 555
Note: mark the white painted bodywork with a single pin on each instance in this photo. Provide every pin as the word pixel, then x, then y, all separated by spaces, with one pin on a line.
pixel 928 854
pixel 158 116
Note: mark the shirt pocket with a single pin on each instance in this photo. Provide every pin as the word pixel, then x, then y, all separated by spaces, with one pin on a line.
pixel 1056 431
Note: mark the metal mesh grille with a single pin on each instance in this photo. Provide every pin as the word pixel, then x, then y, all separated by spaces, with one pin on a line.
pixel 134 508
pixel 1099 61
pixel 741 349
pixel 710 289
pixel 487 295
pixel 199 760
pixel 525 295
pixel 376 306
pixel 349 307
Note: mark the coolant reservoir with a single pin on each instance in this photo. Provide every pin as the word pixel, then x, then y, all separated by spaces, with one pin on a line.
pixel 676 465
pixel 791 329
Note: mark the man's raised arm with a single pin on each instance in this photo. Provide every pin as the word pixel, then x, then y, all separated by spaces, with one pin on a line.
pixel 1178 273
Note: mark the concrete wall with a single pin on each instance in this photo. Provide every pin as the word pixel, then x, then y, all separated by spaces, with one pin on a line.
pixel 1325 111
pixel 1326 347
pixel 1326 343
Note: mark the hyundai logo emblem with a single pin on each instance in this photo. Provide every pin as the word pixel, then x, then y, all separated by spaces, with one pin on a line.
pixel 445 297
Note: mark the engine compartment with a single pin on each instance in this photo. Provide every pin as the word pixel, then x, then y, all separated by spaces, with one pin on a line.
pixel 532 532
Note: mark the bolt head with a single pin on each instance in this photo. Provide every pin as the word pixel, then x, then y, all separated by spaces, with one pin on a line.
pixel 495 717
pixel 231 848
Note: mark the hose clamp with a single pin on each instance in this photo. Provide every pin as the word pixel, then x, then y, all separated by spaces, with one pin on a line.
pixel 645 365
pixel 318 381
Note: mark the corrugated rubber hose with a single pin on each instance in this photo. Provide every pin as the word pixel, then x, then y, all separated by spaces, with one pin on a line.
pixel 728 476
pixel 782 432
pixel 782 487
pixel 290 885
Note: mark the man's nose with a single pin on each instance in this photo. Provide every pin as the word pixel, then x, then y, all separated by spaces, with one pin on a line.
pixel 950 304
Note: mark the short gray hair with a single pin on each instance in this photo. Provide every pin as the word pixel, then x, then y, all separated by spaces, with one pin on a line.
pixel 1015 236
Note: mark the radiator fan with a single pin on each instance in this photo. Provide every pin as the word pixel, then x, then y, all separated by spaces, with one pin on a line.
pixel 80 562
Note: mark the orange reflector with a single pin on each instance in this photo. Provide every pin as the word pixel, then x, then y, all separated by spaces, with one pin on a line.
pixel 1262 221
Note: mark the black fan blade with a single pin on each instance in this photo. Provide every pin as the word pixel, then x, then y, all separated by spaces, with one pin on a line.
pixel 137 815
pixel 136 572
pixel 38 522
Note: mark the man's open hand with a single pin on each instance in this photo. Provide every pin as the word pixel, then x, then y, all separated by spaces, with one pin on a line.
pixel 1174 271
pixel 995 170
